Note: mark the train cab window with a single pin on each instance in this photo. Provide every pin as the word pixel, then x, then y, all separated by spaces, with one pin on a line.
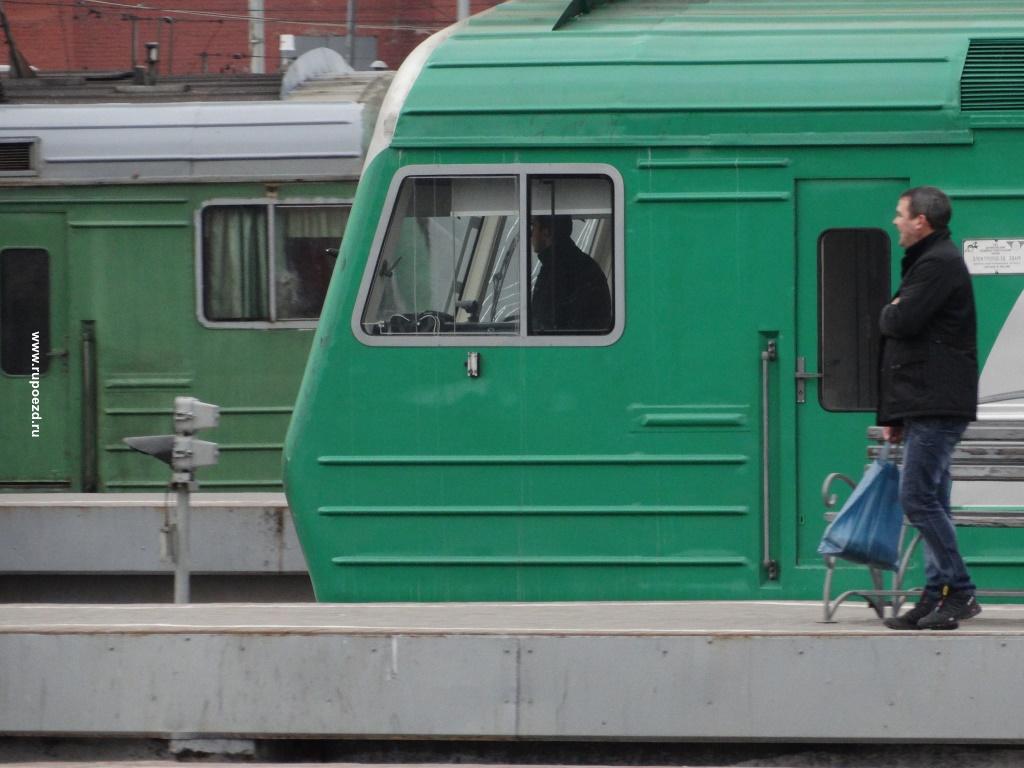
pixel 450 261
pixel 455 249
pixel 571 284
pixel 267 262
pixel 24 311
pixel 854 285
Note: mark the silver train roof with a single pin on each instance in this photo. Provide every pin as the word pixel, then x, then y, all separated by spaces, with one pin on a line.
pixel 182 141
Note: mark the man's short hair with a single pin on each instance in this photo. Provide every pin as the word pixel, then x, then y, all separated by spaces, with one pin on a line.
pixel 932 202
pixel 560 226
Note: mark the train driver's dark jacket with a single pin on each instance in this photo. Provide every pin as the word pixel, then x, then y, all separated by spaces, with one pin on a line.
pixel 929 352
pixel 570 293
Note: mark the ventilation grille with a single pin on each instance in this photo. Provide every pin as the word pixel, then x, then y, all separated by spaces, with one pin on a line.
pixel 16 156
pixel 993 76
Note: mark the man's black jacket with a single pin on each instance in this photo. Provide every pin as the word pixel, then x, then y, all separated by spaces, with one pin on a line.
pixel 570 293
pixel 929 356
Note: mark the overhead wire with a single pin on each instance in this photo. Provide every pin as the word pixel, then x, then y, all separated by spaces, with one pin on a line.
pixel 189 16
pixel 221 16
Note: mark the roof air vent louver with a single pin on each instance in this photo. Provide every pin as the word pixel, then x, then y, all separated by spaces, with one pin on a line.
pixel 993 76
pixel 16 157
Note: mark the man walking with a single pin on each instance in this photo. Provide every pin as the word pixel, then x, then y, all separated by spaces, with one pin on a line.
pixel 928 392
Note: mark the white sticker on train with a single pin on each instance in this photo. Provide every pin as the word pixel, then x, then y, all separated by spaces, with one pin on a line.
pixel 994 257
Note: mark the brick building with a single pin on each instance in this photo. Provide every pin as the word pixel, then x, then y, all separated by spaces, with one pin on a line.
pixel 197 36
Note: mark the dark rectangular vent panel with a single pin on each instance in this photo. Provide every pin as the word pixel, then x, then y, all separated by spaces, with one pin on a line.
pixel 15 156
pixel 993 76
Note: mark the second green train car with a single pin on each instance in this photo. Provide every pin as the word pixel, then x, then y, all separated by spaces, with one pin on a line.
pixel 154 250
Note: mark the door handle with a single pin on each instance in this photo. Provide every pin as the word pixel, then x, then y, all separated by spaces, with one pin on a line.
pixel 801 376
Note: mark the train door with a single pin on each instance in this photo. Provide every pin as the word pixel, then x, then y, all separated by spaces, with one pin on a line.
pixel 846 261
pixel 34 419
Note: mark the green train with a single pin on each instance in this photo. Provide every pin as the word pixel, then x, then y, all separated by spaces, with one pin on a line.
pixel 155 250
pixel 732 168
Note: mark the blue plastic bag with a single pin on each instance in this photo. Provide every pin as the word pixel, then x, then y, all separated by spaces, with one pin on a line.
pixel 867 528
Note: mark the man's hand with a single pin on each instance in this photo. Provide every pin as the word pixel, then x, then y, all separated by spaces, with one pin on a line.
pixel 892 434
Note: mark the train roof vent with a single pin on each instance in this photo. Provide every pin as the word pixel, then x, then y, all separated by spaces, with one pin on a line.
pixel 993 76
pixel 16 156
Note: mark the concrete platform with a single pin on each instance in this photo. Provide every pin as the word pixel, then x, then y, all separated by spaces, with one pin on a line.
pixel 243 547
pixel 73 533
pixel 735 671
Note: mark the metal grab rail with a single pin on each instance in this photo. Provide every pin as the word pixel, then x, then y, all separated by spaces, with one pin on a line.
pixel 768 355
pixel 828 498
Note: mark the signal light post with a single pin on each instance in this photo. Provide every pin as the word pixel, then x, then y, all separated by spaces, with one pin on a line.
pixel 184 454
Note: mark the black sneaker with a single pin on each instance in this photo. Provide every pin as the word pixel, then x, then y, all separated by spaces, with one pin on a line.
pixel 954 608
pixel 910 619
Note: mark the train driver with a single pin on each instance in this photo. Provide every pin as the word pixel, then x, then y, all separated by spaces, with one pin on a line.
pixel 570 293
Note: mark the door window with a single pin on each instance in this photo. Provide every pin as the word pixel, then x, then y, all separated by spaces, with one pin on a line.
pixel 854 285
pixel 24 311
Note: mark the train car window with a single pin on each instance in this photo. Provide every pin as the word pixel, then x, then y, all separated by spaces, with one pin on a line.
pixel 449 264
pixel 572 279
pixel 306 247
pixel 24 311
pixel 235 266
pixel 268 262
pixel 854 285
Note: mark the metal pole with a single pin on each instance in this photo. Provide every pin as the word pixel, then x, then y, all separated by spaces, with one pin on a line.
pixel 19 64
pixel 181 565
pixel 256 38
pixel 90 415
pixel 135 61
pixel 170 45
pixel 352 33
pixel 462 9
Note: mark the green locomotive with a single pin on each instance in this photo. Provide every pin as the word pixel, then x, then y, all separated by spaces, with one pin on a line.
pixel 732 168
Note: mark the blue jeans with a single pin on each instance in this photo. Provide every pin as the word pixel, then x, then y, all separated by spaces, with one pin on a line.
pixel 924 495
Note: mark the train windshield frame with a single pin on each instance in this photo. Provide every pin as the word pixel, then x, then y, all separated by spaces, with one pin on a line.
pixel 454 243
